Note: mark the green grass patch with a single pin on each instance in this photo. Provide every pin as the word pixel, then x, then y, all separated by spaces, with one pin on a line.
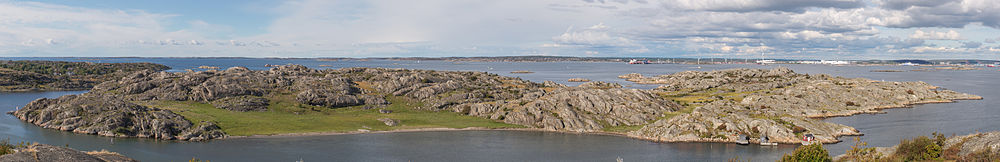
pixel 622 128
pixel 286 116
pixel 687 110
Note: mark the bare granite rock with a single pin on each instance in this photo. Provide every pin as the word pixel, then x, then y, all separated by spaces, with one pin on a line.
pixel 972 147
pixel 775 102
pixel 91 113
pixel 242 103
pixel 588 108
pixel 779 103
pixel 43 152
pixel 389 122
pixel 974 143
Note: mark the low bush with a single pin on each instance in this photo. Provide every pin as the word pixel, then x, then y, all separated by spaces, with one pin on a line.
pixel 918 149
pixel 814 152
pixel 860 153
pixel 8 148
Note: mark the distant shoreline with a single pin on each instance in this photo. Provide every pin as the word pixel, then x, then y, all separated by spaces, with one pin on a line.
pixel 314 134
pixel 530 58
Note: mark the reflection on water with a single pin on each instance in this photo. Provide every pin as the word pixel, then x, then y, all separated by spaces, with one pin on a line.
pixel 882 129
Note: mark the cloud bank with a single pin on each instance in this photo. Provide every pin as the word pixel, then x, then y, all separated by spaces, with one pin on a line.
pixel 824 29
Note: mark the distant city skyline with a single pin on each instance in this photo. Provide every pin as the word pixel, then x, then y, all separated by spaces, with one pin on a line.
pixel 789 29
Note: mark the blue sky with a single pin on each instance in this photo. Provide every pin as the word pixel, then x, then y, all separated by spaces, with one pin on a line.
pixel 804 29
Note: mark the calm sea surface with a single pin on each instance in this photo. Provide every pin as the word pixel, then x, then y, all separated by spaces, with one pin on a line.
pixel 887 129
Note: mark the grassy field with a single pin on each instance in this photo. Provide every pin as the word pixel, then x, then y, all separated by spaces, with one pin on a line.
pixel 286 116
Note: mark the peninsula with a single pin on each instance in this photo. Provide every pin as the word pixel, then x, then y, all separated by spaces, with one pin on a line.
pixel 711 106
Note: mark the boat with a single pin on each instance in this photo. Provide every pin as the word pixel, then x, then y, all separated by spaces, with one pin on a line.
pixel 908 64
pixel 743 140
pixel 808 139
pixel 634 61
pixel 764 141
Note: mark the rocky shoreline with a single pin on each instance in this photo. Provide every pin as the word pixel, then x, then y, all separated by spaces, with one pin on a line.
pixel 690 107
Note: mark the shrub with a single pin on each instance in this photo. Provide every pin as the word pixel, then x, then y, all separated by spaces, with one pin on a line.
pixel 8 148
pixel 918 149
pixel 814 152
pixel 197 160
pixel 797 129
pixel 859 153
pixel 939 139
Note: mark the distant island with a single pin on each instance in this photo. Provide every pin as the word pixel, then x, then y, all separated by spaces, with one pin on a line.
pixel 714 106
pixel 62 76
pixel 662 60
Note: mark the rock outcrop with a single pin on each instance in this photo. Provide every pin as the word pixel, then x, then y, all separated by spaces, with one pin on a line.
pixel 778 103
pixel 973 147
pixel 975 143
pixel 115 108
pixel 691 106
pixel 106 115
pixel 389 122
pixel 43 152
pixel 589 108
pixel 63 76
pixel 242 103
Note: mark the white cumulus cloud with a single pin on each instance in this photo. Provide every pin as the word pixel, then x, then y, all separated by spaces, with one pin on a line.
pixel 935 35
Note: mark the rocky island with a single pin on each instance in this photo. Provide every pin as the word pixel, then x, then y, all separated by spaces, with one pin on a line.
pixel 690 106
pixel 62 76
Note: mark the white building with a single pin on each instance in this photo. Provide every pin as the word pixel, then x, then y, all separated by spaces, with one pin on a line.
pixel 766 62
pixel 825 62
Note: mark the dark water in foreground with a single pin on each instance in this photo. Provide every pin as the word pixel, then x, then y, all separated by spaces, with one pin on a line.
pixel 881 129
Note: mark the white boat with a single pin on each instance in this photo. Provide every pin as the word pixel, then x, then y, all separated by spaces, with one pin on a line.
pixel 743 140
pixel 634 61
pixel 764 141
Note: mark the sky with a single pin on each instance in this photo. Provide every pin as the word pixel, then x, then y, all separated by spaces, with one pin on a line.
pixel 789 29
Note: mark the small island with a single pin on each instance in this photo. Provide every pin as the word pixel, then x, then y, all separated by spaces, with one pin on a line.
pixel 693 106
